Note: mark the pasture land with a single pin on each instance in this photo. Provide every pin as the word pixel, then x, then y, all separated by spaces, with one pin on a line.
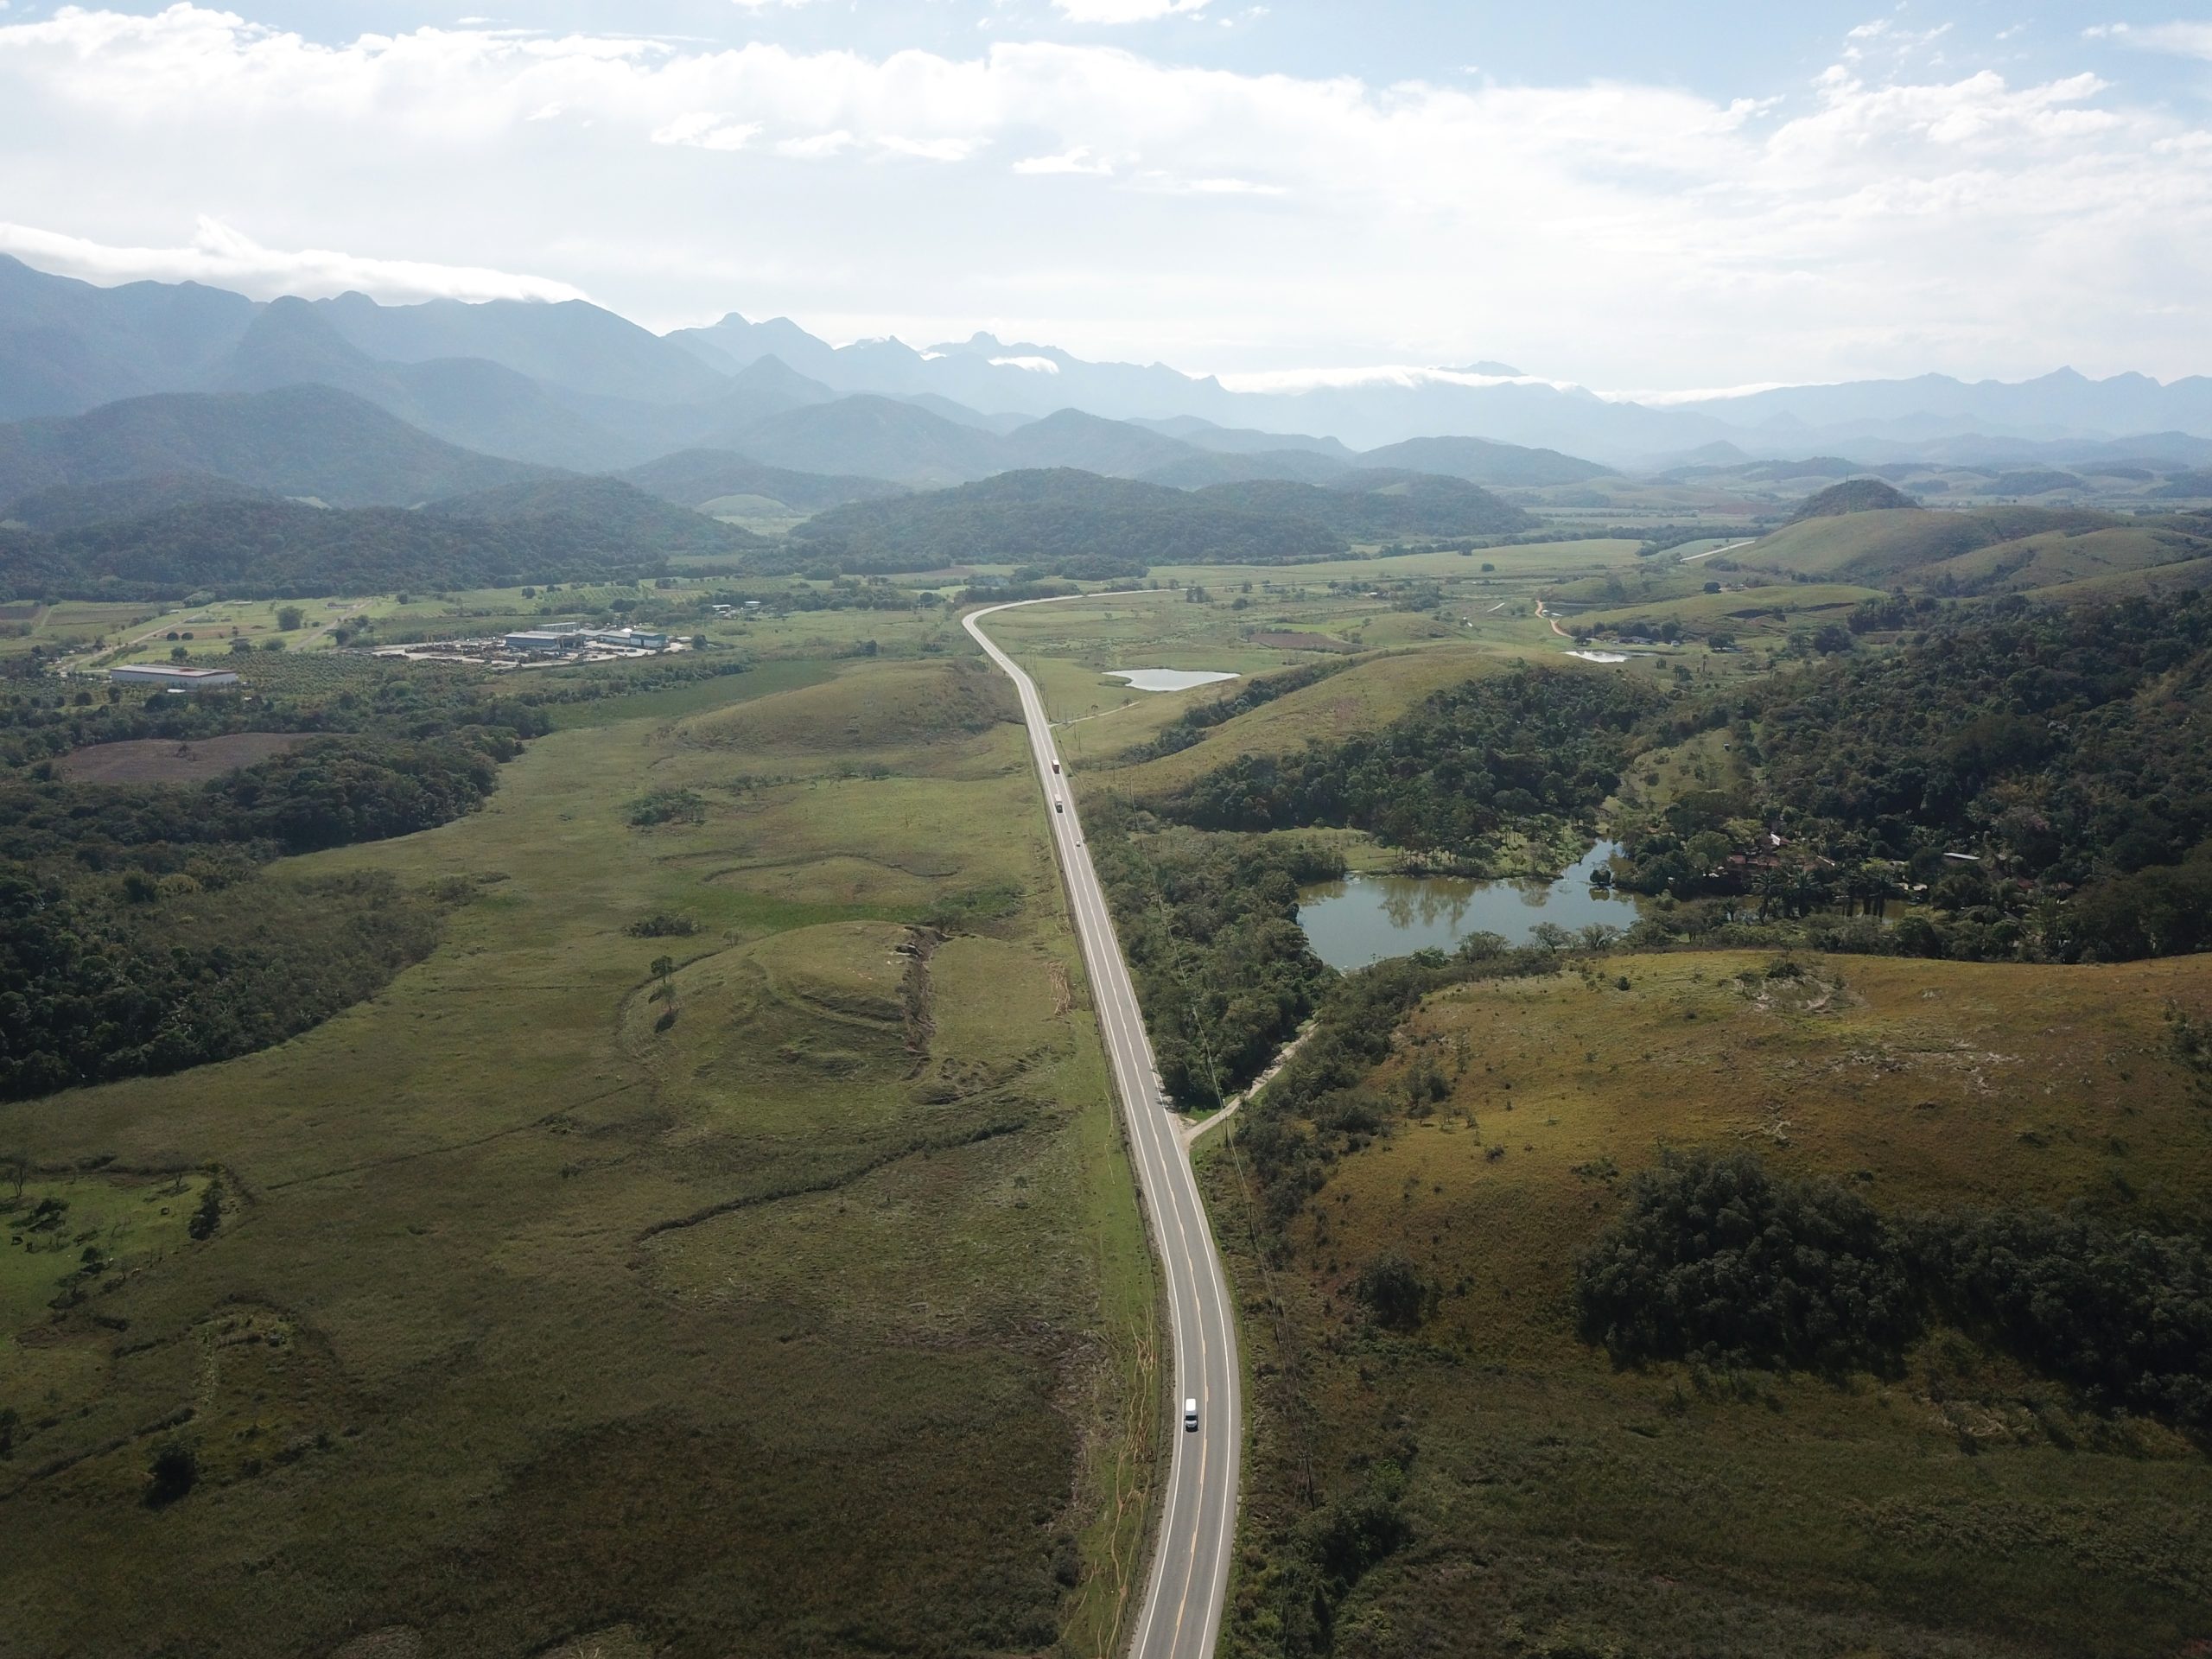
pixel 789 1293
pixel 1554 1504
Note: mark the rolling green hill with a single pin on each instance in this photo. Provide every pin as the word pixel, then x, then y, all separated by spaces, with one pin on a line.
pixel 1197 471
pixel 600 513
pixel 1073 521
pixel 1853 495
pixel 1983 551
pixel 1376 505
pixel 691 477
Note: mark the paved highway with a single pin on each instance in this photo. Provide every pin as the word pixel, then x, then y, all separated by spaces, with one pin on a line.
pixel 1181 1616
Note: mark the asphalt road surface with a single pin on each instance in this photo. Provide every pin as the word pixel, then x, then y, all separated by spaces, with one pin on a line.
pixel 1181 1616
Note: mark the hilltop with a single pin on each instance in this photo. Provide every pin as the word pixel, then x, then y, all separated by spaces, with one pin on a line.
pixel 1853 495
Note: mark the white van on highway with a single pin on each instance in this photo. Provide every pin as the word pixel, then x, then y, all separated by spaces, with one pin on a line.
pixel 1190 1414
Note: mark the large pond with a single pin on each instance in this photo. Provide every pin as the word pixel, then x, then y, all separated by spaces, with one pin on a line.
pixel 1166 679
pixel 1365 919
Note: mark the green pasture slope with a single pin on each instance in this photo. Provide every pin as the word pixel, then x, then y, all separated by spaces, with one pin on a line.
pixel 787 1296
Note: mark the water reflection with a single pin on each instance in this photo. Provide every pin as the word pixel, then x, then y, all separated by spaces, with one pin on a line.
pixel 1166 679
pixel 1367 917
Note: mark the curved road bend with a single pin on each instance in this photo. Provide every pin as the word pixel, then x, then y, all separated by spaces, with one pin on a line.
pixel 1181 1616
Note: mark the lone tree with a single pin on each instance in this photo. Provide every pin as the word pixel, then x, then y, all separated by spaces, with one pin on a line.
pixel 209 1216
pixel 174 1472
pixel 289 617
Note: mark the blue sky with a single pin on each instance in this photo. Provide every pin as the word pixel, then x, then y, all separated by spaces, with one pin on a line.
pixel 1630 197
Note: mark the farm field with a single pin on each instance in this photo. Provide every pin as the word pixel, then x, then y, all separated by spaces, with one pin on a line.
pixel 778 1281
pixel 1533 1499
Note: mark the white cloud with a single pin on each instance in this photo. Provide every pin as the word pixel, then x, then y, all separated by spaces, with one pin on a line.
pixel 225 258
pixel 1078 160
pixel 816 146
pixel 1869 220
pixel 1125 11
pixel 2189 40
pixel 1034 365
pixel 704 129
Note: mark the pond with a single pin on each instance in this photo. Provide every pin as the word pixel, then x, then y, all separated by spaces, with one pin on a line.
pixel 1166 679
pixel 1365 919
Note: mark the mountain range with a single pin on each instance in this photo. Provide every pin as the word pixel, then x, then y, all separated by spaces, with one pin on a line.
pixel 576 386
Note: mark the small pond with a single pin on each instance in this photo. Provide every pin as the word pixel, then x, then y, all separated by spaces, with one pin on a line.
pixel 1166 679
pixel 1365 919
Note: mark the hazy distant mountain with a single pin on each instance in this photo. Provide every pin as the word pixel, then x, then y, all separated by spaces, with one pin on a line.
pixel 1071 438
pixel 960 415
pixel 571 344
pixel 693 478
pixel 1479 461
pixel 575 385
pixel 2061 404
pixel 301 441
pixel 472 401
pixel 876 437
pixel 1240 439
pixel 67 345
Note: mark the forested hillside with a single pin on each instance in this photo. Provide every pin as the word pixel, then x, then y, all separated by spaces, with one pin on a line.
pixel 2044 774
pixel 1375 505
pixel 569 531
pixel 1072 523
pixel 1529 751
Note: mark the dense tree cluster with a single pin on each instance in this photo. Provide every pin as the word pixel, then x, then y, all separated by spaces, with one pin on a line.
pixel 94 986
pixel 1719 1262
pixel 2043 775
pixel 1506 750
pixel 1716 1260
pixel 139 933
pixel 2125 1317
pixel 1211 925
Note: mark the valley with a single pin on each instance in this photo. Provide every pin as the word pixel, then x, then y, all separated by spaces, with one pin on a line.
pixel 693 1146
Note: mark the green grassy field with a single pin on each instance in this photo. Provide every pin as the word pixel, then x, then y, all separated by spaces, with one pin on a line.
pixel 1559 1506
pixel 815 1318
pixel 2040 547
pixel 1764 610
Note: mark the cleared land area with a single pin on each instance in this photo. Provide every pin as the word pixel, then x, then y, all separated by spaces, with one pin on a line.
pixel 1521 1495
pixel 157 760
pixel 776 1285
